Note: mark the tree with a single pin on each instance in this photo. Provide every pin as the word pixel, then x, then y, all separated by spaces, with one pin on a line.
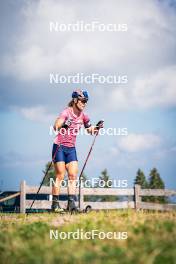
pixel 141 180
pixel 50 174
pixel 105 182
pixel 155 182
pixel 87 198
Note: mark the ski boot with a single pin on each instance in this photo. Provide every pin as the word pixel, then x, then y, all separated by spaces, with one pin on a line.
pixel 55 208
pixel 71 207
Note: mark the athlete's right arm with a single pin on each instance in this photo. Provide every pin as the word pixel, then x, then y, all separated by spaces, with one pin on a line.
pixel 58 123
pixel 61 120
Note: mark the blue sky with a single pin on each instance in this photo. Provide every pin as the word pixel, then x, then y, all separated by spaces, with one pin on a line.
pixel 145 105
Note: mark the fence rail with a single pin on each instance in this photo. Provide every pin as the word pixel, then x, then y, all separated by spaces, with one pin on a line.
pixel 135 192
pixel 9 197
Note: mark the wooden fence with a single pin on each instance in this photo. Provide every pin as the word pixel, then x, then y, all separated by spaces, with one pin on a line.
pixel 135 192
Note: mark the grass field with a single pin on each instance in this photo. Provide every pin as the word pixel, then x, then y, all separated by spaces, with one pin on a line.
pixel 151 238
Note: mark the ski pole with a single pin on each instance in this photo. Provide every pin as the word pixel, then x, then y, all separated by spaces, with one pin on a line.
pixel 65 125
pixel 44 177
pixel 81 173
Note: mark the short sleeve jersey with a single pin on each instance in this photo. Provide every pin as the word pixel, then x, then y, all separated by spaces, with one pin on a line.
pixel 67 137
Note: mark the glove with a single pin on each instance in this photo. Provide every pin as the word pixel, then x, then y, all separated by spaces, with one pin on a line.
pixel 67 123
pixel 100 124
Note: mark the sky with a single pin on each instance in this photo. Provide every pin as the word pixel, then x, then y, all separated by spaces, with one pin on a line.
pixel 145 106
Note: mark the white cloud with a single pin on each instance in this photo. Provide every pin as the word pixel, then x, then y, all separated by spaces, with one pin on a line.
pixel 156 90
pixel 167 151
pixel 139 142
pixel 146 52
pixel 38 51
pixel 38 113
pixel 152 90
pixel 15 159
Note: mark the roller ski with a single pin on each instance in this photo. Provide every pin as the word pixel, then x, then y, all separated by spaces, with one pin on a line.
pixel 71 207
pixel 55 208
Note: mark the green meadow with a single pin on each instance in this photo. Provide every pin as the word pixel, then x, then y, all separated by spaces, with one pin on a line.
pixel 151 238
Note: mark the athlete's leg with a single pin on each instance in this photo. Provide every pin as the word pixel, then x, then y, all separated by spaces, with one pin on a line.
pixel 58 157
pixel 59 172
pixel 72 169
pixel 59 165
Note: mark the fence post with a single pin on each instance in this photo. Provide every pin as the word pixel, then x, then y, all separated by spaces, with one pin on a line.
pixel 137 197
pixel 23 197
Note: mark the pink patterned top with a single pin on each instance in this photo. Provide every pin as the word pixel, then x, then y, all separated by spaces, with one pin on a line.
pixel 67 137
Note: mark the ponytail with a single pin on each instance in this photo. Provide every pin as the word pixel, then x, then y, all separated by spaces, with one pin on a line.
pixel 71 103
